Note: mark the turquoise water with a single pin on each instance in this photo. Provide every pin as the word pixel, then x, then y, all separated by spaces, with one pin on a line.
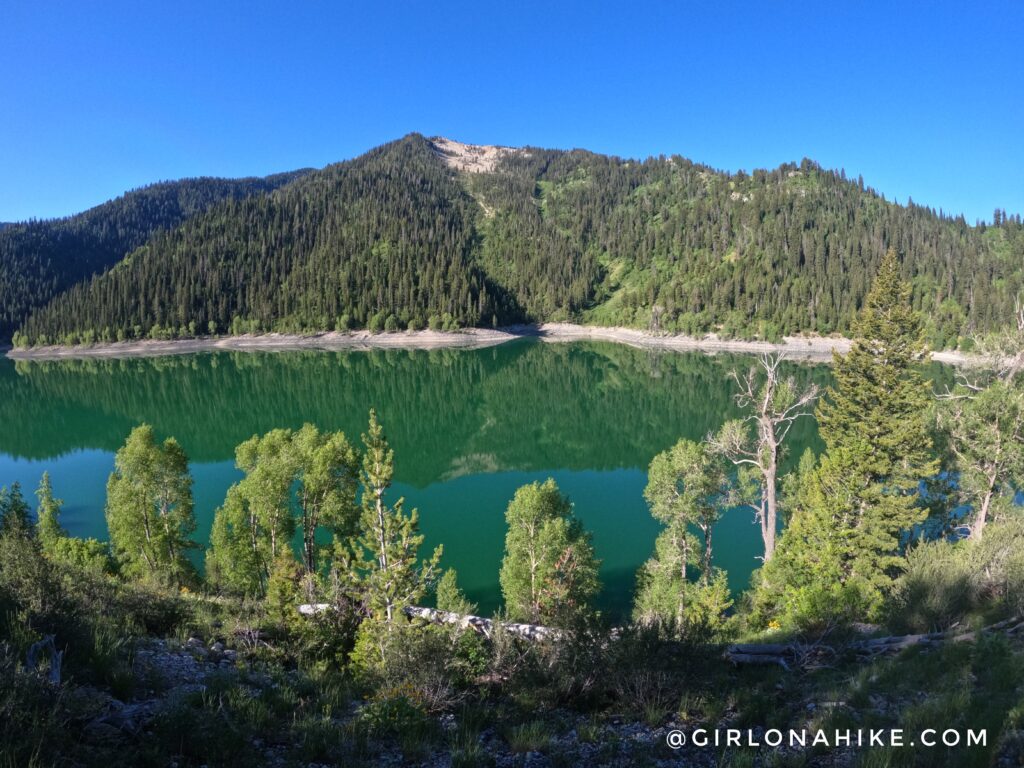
pixel 467 426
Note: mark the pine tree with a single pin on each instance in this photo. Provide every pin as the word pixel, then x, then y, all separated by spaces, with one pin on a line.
pixel 149 508
pixel 48 526
pixel 14 512
pixel 450 597
pixel 851 515
pixel 549 572
pixel 88 554
pixel 385 554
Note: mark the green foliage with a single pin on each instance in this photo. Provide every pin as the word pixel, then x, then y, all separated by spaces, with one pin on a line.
pixel 395 239
pixel 149 509
pixel 40 259
pixel 686 489
pixel 312 471
pixel 86 554
pixel 945 583
pixel 382 561
pixel 450 597
pixel 549 573
pixel 986 437
pixel 843 546
pixel 14 511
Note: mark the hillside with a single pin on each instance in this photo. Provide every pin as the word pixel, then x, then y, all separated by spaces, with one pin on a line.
pixel 423 231
pixel 39 259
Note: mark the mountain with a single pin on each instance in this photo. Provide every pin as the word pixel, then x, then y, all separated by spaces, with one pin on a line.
pixel 432 231
pixel 39 259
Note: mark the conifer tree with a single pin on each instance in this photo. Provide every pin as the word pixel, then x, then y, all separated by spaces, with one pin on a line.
pixel 48 525
pixel 14 512
pixel 86 553
pixel 450 597
pixel 385 553
pixel 852 514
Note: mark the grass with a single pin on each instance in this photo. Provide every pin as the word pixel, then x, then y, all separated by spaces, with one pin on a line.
pixel 534 736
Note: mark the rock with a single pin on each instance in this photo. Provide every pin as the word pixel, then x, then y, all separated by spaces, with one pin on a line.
pixel 99 732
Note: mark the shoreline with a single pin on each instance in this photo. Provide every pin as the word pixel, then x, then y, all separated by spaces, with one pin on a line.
pixel 810 348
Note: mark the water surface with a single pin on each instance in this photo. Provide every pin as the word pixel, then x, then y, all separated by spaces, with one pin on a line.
pixel 467 426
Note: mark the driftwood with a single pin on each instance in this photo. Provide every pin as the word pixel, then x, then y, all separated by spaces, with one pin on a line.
pixel 787 655
pixel 56 657
pixel 478 624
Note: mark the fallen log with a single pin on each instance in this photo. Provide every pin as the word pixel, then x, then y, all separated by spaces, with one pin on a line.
pixel 785 655
pixel 478 624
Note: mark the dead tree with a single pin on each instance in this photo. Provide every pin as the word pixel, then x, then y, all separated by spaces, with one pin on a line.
pixel 774 403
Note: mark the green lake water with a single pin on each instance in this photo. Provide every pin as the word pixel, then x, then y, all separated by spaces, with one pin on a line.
pixel 467 427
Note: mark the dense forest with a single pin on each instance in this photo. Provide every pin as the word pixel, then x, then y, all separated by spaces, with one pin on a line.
pixel 39 259
pixel 322 631
pixel 407 236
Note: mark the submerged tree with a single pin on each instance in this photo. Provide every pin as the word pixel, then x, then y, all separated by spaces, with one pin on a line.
pixel 686 489
pixel 774 405
pixel 549 572
pixel 149 508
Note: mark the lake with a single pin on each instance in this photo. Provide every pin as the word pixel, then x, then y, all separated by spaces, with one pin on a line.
pixel 467 426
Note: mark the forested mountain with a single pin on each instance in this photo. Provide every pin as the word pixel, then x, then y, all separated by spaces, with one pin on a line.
pixel 39 259
pixel 434 232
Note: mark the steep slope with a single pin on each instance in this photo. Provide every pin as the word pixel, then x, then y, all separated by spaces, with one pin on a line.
pixel 39 259
pixel 434 231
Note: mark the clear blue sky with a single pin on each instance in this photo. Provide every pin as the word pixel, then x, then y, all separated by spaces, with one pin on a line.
pixel 924 99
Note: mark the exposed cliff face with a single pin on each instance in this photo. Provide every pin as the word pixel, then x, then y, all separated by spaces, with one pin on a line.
pixel 471 158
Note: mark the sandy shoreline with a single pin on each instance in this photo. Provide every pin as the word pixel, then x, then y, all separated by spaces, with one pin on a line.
pixel 817 348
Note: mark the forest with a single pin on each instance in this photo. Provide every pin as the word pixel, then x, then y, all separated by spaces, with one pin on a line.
pixel 399 239
pixel 41 259
pixel 890 592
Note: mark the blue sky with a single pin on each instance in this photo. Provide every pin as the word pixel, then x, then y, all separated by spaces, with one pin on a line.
pixel 923 99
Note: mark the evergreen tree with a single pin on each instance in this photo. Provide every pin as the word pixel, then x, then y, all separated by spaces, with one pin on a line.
pixel 852 513
pixel 383 559
pixel 14 512
pixel 88 554
pixel 149 508
pixel 450 597
pixel 48 526
pixel 549 572
pixel 398 238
